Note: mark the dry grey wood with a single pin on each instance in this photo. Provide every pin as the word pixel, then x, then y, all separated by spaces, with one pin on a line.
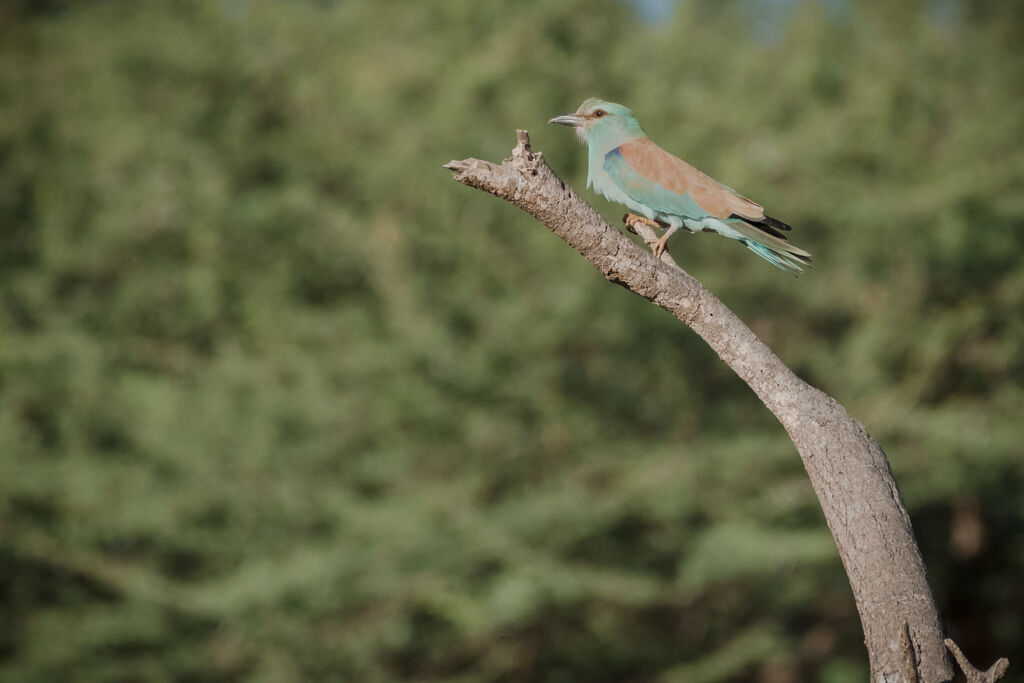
pixel 973 675
pixel 847 468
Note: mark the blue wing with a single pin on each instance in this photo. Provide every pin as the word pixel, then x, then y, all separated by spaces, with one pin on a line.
pixel 649 193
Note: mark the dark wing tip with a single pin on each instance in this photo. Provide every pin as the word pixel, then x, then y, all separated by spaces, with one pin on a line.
pixel 765 226
pixel 776 223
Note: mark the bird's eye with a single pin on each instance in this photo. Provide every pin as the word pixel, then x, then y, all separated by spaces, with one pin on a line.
pixel 599 113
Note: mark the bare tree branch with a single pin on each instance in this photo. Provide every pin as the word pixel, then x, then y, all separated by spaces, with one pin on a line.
pixel 847 468
pixel 973 675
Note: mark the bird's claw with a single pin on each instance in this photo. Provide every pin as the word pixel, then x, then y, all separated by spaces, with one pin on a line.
pixel 631 220
pixel 658 246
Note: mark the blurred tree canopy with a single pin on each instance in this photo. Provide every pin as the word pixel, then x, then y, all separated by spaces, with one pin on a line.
pixel 281 402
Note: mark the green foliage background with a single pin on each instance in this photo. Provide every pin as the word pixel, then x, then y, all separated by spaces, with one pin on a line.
pixel 279 401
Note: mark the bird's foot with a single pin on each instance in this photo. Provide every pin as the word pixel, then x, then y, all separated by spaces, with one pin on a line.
pixel 660 246
pixel 632 220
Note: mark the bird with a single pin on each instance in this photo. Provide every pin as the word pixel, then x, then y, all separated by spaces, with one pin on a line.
pixel 663 191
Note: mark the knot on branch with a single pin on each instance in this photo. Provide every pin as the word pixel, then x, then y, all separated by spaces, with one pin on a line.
pixel 523 157
pixel 480 174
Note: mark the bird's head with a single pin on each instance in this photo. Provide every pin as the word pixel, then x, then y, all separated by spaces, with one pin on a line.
pixel 603 123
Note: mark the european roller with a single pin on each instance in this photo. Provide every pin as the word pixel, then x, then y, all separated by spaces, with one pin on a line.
pixel 664 191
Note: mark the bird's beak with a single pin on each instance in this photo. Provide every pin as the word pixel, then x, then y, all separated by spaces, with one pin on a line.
pixel 573 120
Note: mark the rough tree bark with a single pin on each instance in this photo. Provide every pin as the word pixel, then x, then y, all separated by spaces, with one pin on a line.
pixel 847 468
